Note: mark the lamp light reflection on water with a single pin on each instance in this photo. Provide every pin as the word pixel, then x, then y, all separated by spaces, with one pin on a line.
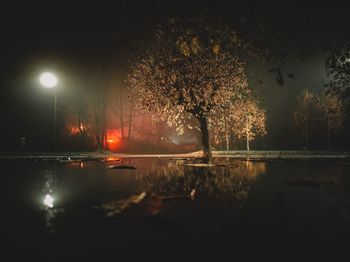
pixel 48 201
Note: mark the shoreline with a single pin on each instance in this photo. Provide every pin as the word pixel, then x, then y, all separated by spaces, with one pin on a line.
pixel 237 154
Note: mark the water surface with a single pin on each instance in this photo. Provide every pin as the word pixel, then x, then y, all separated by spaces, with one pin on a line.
pixel 234 203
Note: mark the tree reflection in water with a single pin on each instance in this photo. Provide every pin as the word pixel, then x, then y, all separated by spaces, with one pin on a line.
pixel 231 181
pixel 159 183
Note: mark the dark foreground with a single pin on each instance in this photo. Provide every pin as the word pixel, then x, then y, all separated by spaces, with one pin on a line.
pixel 237 207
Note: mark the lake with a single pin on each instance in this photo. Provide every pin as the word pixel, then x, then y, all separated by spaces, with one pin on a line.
pixel 63 207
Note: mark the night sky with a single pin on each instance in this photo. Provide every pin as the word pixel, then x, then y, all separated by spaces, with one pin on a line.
pixel 77 40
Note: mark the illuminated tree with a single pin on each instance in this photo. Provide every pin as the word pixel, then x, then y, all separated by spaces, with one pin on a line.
pixel 220 123
pixel 245 119
pixel 188 74
pixel 249 121
pixel 333 116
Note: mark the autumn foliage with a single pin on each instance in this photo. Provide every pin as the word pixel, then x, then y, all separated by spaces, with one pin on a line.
pixel 187 75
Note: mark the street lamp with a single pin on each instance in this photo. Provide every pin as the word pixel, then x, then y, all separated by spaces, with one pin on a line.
pixel 49 80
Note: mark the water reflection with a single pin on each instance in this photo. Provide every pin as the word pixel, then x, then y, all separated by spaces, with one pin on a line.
pixel 50 217
pixel 74 184
pixel 253 169
pixel 142 205
pixel 112 159
pixel 75 164
pixel 48 201
pixel 48 197
pixel 231 181
pixel 67 195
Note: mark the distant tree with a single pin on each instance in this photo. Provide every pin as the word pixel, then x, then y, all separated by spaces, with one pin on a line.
pixel 249 121
pixel 221 124
pixel 307 114
pixel 123 108
pixel 100 101
pixel 333 116
pixel 189 73
pixel 322 112
pixel 244 119
pixel 78 115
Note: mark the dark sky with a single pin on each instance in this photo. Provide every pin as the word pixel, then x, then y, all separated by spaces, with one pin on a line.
pixel 75 38
pixel 85 32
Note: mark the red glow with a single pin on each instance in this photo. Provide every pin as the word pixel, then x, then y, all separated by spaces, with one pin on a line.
pixel 113 137
pixel 74 130
pixel 112 159
pixel 113 140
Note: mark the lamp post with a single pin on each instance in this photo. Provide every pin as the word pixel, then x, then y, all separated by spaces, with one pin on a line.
pixel 49 80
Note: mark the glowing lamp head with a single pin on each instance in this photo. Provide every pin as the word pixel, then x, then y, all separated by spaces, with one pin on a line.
pixel 48 80
pixel 48 201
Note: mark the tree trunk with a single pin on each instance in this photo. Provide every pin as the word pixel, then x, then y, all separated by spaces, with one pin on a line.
pixel 98 126
pixel 307 137
pixel 247 135
pixel 227 142
pixel 329 140
pixel 227 136
pixel 98 142
pixel 248 142
pixel 100 120
pixel 205 139
pixel 121 116
pixel 103 117
pixel 130 123
pixel 81 115
pixel 105 138
pixel 328 133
